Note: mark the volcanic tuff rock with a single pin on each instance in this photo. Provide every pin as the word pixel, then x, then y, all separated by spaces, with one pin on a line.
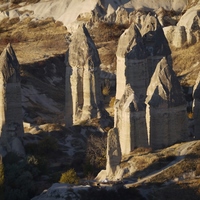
pixel 10 102
pixel 138 52
pixel 187 30
pixel 166 115
pixel 144 61
pixel 129 121
pixel 83 92
pixel 196 107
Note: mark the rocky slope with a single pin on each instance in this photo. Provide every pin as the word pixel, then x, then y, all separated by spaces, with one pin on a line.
pixel 40 33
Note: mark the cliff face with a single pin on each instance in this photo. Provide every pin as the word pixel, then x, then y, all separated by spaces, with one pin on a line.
pixel 83 92
pixel 10 102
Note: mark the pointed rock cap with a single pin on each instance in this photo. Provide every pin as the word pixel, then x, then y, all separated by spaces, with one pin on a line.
pixel 129 99
pixel 164 88
pixel 8 63
pixel 130 44
pixel 196 89
pixel 154 36
pixel 82 49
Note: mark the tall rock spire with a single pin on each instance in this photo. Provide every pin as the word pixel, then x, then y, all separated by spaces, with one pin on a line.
pixel 10 101
pixel 11 120
pixel 82 62
pixel 196 107
pixel 166 115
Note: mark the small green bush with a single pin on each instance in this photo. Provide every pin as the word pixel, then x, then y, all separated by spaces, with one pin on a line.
pixel 70 177
pixel 47 145
pixel 1 178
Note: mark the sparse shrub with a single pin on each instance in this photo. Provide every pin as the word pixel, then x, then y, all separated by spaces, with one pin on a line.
pixel 39 163
pixel 70 177
pixel 190 115
pixel 1 178
pixel 31 148
pixel 47 145
pixel 197 172
pixel 95 154
pixel 19 181
pixel 112 102
pixel 106 90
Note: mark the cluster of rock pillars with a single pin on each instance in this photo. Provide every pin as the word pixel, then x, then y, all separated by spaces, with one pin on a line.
pixel 150 109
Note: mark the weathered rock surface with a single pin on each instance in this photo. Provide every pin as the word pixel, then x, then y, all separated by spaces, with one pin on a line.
pixel 138 53
pixel 144 61
pixel 196 107
pixel 82 68
pixel 122 16
pixel 10 103
pixel 176 35
pixel 166 115
pixel 187 30
pixel 130 120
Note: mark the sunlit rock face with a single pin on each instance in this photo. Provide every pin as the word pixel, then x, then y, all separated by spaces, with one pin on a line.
pixel 130 121
pixel 150 110
pixel 83 93
pixel 11 125
pixel 196 108
pixel 138 52
pixel 166 116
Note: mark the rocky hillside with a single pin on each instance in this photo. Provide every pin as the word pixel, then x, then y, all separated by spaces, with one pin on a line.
pixel 42 31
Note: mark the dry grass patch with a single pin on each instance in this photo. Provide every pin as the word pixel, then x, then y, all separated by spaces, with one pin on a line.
pixel 33 40
pixel 186 63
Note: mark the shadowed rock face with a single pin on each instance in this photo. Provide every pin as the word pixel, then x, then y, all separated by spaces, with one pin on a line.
pixel 82 62
pixel 196 107
pixel 10 102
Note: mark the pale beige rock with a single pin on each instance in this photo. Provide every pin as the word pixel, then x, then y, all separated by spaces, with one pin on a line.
pixel 138 53
pixel 122 16
pixel 191 19
pixel 166 115
pixel 130 122
pixel 176 35
pixel 84 84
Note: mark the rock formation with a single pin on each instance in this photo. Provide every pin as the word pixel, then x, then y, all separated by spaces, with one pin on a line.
pixel 196 107
pixel 166 116
pixel 10 103
pixel 138 53
pixel 144 61
pixel 187 30
pixel 129 121
pixel 82 78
